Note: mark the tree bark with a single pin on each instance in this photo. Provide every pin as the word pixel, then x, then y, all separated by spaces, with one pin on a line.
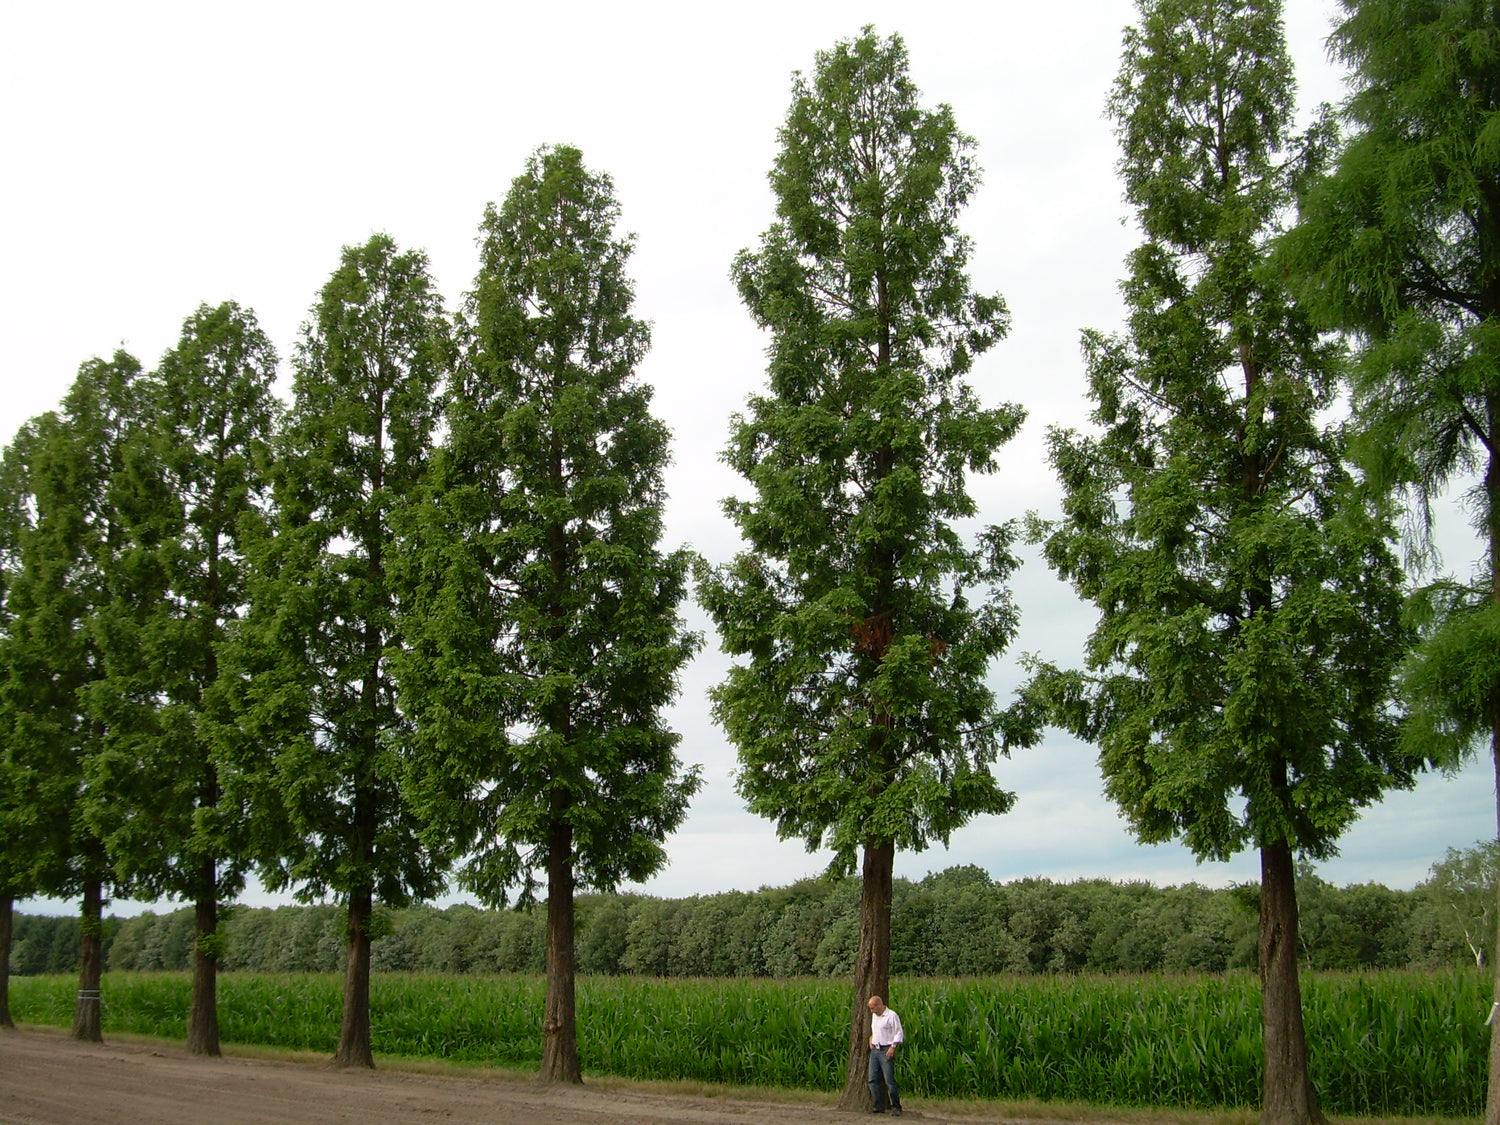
pixel 203 1014
pixel 7 916
pixel 1492 1101
pixel 354 1029
pixel 1288 1097
pixel 872 966
pixel 86 1020
pixel 1492 493
pixel 559 1029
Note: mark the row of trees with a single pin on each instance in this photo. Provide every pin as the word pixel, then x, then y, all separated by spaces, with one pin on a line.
pixel 453 629
pixel 417 620
pixel 1234 528
pixel 956 922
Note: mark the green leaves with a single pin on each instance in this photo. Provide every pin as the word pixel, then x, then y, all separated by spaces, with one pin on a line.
pixel 1238 681
pixel 1398 246
pixel 67 601
pixel 316 741
pixel 544 637
pixel 868 623
pixel 209 434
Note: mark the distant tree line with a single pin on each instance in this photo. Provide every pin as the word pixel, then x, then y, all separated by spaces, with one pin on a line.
pixel 956 922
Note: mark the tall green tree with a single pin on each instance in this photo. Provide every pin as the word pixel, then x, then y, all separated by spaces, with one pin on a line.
pixel 547 638
pixel 861 713
pixel 17 860
pixel 202 471
pixel 1238 681
pixel 66 593
pixel 318 744
pixel 1400 246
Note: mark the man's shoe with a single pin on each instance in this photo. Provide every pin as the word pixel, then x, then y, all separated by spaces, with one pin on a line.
pixel 896 1112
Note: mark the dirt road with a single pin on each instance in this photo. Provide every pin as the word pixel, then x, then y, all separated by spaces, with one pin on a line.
pixel 48 1079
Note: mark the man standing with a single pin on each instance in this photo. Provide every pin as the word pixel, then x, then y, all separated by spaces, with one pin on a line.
pixel 885 1034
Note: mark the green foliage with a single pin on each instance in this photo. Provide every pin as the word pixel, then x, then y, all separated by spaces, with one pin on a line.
pixel 956 922
pixel 1400 246
pixel 19 846
pixel 1355 926
pixel 867 623
pixel 1453 915
pixel 1385 1044
pixel 68 594
pixel 310 734
pixel 44 945
pixel 1238 681
pixel 199 471
pixel 543 637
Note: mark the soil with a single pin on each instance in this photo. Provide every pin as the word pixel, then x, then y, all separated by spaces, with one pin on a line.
pixel 47 1078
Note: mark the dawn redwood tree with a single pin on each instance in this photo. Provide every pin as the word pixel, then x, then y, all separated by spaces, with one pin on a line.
pixel 1238 681
pixel 1400 247
pixel 66 593
pixel 317 746
pixel 861 714
pixel 544 637
pixel 202 471
pixel 17 874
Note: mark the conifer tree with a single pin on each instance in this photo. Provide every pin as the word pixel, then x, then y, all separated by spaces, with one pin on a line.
pixel 861 714
pixel 66 594
pixel 1400 246
pixel 545 639
pixel 1238 683
pixel 316 743
pixel 17 859
pixel 200 471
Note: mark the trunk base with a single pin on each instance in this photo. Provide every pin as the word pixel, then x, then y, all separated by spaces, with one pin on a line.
pixel 872 968
pixel 354 1031
pixel 560 1063
pixel 203 1014
pixel 86 1016
pixel 1287 1096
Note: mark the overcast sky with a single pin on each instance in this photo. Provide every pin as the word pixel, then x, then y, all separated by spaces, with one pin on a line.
pixel 162 155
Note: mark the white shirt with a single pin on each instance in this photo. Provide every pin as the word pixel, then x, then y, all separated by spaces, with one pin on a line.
pixel 886 1029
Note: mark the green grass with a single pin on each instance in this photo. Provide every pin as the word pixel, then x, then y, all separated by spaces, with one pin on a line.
pixel 1382 1044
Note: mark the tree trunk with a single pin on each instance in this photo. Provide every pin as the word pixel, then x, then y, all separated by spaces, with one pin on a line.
pixel 1492 1102
pixel 203 1014
pixel 1492 493
pixel 86 1022
pixel 1288 1097
pixel 559 1030
pixel 7 916
pixel 354 1031
pixel 872 966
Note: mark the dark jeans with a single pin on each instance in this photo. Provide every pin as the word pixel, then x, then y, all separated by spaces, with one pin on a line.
pixel 883 1078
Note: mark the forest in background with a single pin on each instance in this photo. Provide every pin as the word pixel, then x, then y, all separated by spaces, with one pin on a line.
pixel 955 922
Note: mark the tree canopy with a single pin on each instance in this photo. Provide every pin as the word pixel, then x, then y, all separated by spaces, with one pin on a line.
pixel 545 637
pixel 1399 246
pixel 315 738
pixel 862 715
pixel 1239 681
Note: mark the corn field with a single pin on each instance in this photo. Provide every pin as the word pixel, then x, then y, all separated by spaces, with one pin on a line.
pixel 1391 1043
